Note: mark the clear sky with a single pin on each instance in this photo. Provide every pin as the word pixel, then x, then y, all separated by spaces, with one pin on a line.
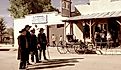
pixel 4 4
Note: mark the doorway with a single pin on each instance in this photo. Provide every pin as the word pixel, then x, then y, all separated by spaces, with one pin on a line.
pixel 114 28
pixel 57 30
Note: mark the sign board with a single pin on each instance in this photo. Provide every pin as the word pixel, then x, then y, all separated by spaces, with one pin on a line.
pixel 39 19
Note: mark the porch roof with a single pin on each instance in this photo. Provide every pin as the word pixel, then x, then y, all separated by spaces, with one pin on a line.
pixel 95 16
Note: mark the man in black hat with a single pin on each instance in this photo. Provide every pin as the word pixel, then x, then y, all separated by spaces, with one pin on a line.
pixel 33 46
pixel 23 49
pixel 42 42
pixel 28 35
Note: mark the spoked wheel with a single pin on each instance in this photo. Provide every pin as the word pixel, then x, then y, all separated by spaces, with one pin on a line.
pixel 70 49
pixel 78 49
pixel 91 46
pixel 61 47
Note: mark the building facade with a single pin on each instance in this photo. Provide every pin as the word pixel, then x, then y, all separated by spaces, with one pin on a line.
pixel 50 21
pixel 97 16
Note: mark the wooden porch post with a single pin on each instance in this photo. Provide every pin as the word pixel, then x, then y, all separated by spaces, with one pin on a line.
pixel 119 32
pixel 71 28
pixel 118 22
pixel 90 26
pixel 65 31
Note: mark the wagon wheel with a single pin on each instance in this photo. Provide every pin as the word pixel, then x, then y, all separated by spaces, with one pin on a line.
pixel 78 49
pixel 70 48
pixel 91 46
pixel 61 47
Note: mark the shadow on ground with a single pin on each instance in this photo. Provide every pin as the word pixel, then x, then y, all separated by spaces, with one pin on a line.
pixel 54 63
pixel 86 52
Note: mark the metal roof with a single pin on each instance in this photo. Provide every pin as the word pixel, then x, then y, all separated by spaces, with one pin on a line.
pixel 95 15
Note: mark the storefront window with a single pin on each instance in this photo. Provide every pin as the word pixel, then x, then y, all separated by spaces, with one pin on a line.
pixel 60 25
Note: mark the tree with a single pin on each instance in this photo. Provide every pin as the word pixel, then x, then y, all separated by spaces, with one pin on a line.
pixel 9 35
pixel 10 31
pixel 20 8
pixel 2 29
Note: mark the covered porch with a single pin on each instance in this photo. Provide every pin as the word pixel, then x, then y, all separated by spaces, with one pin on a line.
pixel 85 27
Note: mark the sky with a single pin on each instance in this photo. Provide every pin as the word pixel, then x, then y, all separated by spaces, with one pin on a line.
pixel 4 5
pixel 56 3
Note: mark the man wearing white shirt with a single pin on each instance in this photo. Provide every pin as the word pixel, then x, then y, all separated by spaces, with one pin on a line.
pixel 53 40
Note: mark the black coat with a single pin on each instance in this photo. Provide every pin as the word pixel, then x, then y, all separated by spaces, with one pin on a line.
pixel 22 50
pixel 22 42
pixel 42 40
pixel 28 36
pixel 33 44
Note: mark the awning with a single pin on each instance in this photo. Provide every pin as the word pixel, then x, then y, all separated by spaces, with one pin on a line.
pixel 95 15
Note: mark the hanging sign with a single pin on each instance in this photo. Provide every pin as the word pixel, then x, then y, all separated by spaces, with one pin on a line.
pixel 39 19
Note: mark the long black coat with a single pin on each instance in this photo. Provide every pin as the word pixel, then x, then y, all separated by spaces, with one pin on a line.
pixel 22 50
pixel 22 42
pixel 28 36
pixel 42 40
pixel 33 44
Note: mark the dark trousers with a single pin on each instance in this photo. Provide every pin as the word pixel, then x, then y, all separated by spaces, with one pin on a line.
pixel 22 65
pixel 61 42
pixel 103 44
pixel 34 52
pixel 54 44
pixel 27 56
pixel 44 54
pixel 23 58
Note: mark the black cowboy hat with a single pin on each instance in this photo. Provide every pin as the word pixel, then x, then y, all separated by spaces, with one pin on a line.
pixel 28 26
pixel 22 30
pixel 33 30
pixel 41 29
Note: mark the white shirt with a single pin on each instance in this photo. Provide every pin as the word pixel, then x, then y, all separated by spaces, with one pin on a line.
pixel 53 38
pixel 60 39
pixel 102 35
pixel 36 31
pixel 108 36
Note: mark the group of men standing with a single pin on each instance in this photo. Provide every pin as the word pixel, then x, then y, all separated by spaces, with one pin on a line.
pixel 101 38
pixel 29 43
